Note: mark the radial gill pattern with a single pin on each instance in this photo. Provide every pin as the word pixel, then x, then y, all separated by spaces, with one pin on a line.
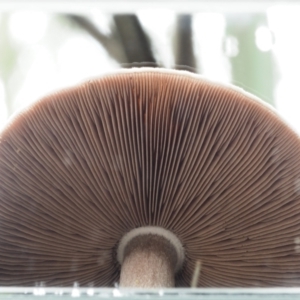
pixel 82 167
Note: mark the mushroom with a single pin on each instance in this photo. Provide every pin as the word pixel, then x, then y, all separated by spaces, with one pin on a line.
pixel 144 173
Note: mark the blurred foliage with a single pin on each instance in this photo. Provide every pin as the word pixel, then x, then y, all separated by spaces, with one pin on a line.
pixel 251 68
pixel 8 60
pixel 129 44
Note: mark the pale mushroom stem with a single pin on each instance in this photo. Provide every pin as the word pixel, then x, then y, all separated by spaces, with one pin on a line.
pixel 149 260
pixel 149 263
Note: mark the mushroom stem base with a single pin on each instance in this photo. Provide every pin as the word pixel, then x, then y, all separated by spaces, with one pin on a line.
pixel 149 261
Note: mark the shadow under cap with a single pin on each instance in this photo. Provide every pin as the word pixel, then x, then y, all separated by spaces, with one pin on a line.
pixel 82 167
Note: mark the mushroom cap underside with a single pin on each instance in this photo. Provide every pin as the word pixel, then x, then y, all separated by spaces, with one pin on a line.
pixel 82 167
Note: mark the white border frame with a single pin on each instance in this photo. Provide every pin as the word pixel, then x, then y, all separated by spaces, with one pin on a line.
pixel 129 6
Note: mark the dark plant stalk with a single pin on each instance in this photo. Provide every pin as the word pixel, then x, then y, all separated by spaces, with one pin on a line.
pixel 110 43
pixel 134 40
pixel 184 52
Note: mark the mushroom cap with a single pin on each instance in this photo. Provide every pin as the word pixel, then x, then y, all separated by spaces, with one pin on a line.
pixel 208 162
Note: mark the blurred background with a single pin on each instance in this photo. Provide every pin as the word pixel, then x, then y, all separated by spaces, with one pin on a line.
pixel 49 45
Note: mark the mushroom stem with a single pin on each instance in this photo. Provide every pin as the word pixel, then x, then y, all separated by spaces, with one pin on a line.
pixel 149 260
